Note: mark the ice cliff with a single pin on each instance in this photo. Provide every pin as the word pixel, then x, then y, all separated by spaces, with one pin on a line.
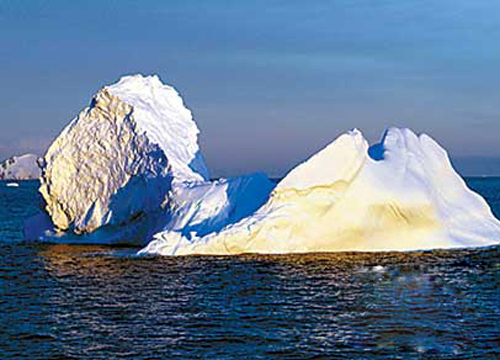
pixel 24 167
pixel 400 194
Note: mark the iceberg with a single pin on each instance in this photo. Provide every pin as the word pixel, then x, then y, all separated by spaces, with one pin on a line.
pixel 117 160
pixel 24 167
pixel 400 194
pixel 128 166
pixel 128 170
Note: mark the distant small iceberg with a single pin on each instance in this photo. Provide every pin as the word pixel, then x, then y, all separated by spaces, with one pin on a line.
pixel 23 167
pixel 12 184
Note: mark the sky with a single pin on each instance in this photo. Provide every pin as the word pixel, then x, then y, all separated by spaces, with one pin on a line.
pixel 269 82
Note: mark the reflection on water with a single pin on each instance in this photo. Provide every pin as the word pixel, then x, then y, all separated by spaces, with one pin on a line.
pixel 88 302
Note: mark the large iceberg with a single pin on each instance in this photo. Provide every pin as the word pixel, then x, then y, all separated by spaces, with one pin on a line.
pixel 400 194
pixel 118 159
pixel 24 167
pixel 129 169
pixel 122 168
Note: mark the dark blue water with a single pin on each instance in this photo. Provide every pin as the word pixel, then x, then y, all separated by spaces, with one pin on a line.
pixel 85 302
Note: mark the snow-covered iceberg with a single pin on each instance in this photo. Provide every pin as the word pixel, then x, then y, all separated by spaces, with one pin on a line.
pixel 24 167
pixel 128 166
pixel 119 158
pixel 128 169
pixel 400 194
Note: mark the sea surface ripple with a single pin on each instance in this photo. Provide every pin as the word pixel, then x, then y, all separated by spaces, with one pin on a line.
pixel 97 302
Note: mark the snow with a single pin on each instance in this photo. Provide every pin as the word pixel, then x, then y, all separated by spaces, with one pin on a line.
pixel 193 209
pixel 400 194
pixel 24 167
pixel 341 159
pixel 200 209
pixel 176 133
pixel 119 158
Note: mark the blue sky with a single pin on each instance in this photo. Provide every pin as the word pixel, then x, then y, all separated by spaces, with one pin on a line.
pixel 269 82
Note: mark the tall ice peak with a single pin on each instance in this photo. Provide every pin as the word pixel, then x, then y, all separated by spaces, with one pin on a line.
pixel 160 112
pixel 117 160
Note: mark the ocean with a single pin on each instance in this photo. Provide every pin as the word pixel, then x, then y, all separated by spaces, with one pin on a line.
pixel 98 302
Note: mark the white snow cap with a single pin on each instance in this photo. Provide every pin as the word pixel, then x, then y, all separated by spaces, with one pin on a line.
pixel 160 113
pixel 338 160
